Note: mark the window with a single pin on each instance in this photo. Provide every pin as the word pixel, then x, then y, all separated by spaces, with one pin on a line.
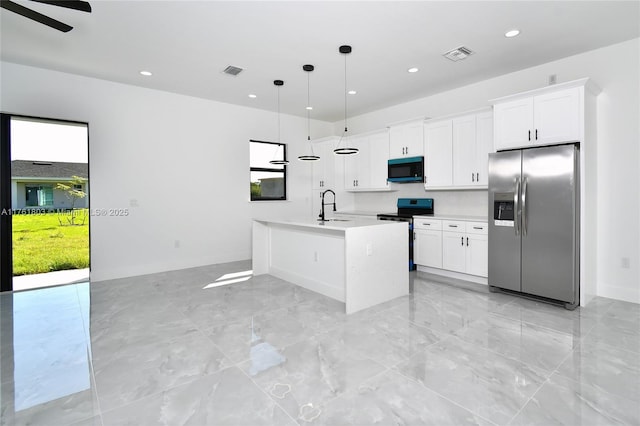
pixel 268 181
pixel 39 196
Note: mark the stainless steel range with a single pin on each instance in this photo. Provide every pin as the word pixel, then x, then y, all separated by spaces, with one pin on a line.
pixel 407 208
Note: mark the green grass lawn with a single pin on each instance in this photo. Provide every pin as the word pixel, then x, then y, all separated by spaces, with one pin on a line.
pixel 41 244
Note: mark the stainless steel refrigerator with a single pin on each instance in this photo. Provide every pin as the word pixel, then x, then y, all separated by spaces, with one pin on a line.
pixel 534 224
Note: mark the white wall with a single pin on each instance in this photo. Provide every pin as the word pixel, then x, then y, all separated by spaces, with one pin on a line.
pixel 184 160
pixel 149 145
pixel 616 70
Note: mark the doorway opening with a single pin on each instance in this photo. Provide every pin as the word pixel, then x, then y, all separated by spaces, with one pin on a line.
pixel 44 233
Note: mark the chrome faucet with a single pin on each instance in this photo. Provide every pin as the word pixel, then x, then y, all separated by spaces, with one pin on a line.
pixel 323 203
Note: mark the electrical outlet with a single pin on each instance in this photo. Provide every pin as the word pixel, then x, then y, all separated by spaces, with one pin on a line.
pixel 624 262
pixel 315 256
pixel 552 79
pixel 369 250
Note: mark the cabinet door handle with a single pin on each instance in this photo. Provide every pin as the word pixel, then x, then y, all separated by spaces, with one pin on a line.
pixel 427 224
pixel 472 178
pixel 467 241
pixel 529 134
pixel 478 227
pixel 453 226
pixel 462 241
pixel 536 134
pixel 477 177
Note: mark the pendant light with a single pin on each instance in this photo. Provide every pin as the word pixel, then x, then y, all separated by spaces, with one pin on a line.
pixel 283 162
pixel 345 50
pixel 312 157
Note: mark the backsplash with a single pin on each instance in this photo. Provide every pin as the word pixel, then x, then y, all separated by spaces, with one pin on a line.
pixel 464 203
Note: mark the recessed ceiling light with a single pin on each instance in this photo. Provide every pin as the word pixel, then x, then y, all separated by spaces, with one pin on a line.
pixel 511 33
pixel 146 73
pixel 252 96
pixel 412 70
pixel 309 108
pixel 352 92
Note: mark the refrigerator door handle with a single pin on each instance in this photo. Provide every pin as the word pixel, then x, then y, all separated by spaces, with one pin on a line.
pixel 516 208
pixel 524 206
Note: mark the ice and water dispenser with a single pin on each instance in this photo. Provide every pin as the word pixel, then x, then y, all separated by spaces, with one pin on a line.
pixel 503 208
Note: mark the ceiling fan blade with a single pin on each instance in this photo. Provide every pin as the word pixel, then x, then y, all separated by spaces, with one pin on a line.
pixel 80 5
pixel 32 14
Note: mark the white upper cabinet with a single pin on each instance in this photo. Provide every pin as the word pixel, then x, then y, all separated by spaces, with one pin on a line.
pixel 406 140
pixel 464 150
pixel 438 154
pixel 367 170
pixel 556 116
pixel 324 170
pixel 513 122
pixel 378 159
pixel 457 151
pixel 484 146
pixel 553 116
pixel 355 167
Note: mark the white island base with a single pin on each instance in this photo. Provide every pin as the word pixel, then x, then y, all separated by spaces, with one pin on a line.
pixel 359 262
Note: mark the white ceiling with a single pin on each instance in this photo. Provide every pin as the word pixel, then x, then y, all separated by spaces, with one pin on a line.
pixel 187 44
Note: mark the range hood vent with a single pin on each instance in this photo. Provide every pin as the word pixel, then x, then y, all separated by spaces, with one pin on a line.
pixel 458 54
pixel 231 70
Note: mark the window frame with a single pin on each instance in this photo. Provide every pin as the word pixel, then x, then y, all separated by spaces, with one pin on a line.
pixel 283 170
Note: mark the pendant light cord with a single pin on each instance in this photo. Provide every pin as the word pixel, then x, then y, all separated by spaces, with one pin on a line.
pixel 309 112
pixel 345 93
pixel 308 104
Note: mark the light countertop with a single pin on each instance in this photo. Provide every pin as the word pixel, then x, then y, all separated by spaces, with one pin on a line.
pixel 454 217
pixel 357 213
pixel 331 224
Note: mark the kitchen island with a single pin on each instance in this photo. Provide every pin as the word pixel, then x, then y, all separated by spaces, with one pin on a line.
pixel 360 262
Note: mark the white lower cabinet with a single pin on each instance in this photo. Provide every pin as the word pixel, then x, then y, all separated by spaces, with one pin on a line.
pixel 477 254
pixel 427 242
pixel 453 252
pixel 451 245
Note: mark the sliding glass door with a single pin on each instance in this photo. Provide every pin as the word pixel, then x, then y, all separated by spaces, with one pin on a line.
pixel 45 202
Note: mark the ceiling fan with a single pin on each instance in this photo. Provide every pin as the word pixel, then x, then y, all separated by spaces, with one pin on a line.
pixel 44 19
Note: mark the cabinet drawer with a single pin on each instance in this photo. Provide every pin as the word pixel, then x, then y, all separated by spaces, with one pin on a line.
pixel 453 225
pixel 420 223
pixel 477 228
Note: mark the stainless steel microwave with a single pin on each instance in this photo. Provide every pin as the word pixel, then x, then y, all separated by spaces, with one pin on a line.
pixel 403 170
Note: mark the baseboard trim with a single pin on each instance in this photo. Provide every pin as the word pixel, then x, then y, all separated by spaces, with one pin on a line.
pixel 619 293
pixel 452 274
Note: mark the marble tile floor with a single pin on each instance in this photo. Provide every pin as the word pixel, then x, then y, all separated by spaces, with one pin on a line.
pixel 183 348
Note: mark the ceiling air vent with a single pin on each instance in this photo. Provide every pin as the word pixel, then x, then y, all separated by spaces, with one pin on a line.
pixel 458 54
pixel 231 70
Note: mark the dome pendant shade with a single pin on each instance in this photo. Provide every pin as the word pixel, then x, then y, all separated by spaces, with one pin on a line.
pixel 345 50
pixel 312 156
pixel 283 162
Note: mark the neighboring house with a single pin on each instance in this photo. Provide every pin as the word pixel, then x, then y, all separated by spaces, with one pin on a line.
pixel 33 184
